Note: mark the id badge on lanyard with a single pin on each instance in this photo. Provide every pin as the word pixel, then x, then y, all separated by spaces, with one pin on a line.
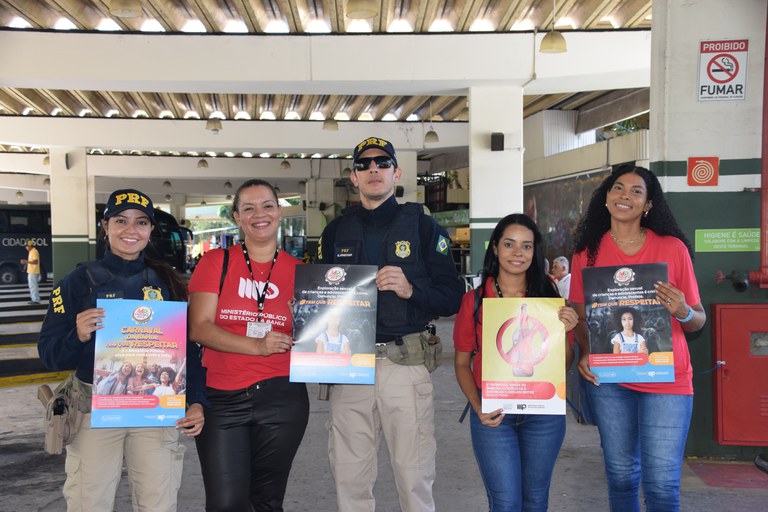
pixel 258 329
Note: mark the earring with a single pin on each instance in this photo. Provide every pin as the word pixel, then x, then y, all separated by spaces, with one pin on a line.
pixel 606 205
pixel 646 213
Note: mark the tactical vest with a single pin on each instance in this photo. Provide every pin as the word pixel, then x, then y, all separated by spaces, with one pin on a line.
pixel 104 284
pixel 402 248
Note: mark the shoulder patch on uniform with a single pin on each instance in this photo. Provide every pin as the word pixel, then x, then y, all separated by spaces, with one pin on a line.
pixel 442 245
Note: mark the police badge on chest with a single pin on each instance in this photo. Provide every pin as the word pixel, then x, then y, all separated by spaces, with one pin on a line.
pixel 152 293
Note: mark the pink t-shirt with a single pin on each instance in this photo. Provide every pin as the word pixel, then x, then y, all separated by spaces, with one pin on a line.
pixel 237 306
pixel 656 249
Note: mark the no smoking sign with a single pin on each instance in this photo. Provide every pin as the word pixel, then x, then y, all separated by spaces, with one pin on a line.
pixel 723 69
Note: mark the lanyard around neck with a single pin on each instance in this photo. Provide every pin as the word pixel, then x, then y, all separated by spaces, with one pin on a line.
pixel 260 297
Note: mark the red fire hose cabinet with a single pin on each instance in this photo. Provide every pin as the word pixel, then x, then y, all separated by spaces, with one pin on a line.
pixel 740 344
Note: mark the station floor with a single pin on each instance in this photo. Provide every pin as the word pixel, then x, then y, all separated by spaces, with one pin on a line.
pixel 32 480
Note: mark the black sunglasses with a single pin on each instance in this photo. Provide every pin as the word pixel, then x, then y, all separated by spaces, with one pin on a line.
pixel 382 162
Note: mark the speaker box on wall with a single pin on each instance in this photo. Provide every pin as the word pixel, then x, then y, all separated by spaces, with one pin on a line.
pixel 497 141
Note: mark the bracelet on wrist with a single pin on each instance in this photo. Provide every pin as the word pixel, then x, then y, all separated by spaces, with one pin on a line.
pixel 687 317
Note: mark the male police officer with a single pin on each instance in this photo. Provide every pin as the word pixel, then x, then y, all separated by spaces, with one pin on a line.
pixel 417 282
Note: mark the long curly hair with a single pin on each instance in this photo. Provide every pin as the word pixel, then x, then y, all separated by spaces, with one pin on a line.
pixel 597 220
pixel 537 282
pixel 637 319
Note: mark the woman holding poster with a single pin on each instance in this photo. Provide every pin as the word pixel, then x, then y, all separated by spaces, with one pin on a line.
pixel 95 455
pixel 628 222
pixel 239 309
pixel 515 453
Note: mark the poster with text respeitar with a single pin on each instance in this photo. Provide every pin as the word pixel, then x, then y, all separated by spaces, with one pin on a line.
pixel 334 324
pixel 139 375
pixel 630 333
pixel 523 356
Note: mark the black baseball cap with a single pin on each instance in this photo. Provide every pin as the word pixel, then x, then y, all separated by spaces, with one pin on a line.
pixel 375 143
pixel 129 199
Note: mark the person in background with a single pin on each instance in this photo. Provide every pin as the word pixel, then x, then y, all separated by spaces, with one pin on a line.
pixel 242 314
pixel 560 271
pixel 153 456
pixel 516 453
pixel 417 282
pixel 643 426
pixel 32 268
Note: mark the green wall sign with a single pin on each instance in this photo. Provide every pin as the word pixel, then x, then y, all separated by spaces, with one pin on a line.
pixel 728 240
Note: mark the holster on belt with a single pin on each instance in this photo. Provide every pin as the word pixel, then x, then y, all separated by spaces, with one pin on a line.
pixel 64 412
pixel 414 349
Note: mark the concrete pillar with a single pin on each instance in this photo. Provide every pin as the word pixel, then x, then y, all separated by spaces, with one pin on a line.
pixel 407 160
pixel 685 126
pixel 495 177
pixel 73 210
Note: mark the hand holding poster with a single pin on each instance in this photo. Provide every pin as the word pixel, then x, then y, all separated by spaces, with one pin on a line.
pixel 523 356
pixel 334 324
pixel 139 376
pixel 630 334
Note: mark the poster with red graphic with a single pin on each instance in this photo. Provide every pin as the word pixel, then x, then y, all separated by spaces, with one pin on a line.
pixel 139 374
pixel 523 356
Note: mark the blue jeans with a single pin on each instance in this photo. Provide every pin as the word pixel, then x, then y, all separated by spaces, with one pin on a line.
pixel 33 280
pixel 516 459
pixel 643 438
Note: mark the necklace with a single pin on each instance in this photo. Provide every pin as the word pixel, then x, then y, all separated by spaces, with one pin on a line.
pixel 628 242
pixel 500 294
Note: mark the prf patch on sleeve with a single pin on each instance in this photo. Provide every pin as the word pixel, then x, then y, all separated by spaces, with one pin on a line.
pixel 442 245
pixel 56 301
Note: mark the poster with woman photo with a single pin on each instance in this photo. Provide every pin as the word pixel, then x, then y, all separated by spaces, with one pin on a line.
pixel 334 324
pixel 630 334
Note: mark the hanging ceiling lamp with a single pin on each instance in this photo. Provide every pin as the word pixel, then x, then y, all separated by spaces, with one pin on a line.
pixel 285 164
pixel 168 197
pixel 166 184
pixel 213 124
pixel 19 194
pixel 227 185
pixel 553 42
pixel 362 9
pixel 202 163
pixel 431 136
pixel 331 125
pixel 125 8
pixel 47 160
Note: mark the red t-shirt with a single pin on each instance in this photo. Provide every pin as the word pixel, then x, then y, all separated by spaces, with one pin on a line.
pixel 237 306
pixel 656 249
pixel 465 330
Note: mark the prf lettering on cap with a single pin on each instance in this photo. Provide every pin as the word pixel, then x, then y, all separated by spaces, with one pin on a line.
pixel 131 198
pixel 372 141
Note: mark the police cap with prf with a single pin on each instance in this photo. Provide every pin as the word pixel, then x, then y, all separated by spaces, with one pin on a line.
pixel 375 143
pixel 129 199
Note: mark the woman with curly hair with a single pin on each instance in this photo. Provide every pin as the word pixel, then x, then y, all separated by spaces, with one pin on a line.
pixel 626 338
pixel 643 426
pixel 516 453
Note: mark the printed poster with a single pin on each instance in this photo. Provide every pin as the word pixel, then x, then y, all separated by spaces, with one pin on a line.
pixel 523 356
pixel 334 324
pixel 630 332
pixel 139 375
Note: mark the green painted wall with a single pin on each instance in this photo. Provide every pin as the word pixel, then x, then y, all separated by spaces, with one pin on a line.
pixel 66 255
pixel 701 210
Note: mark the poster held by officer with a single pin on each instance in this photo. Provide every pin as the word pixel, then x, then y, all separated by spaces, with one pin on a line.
pixel 523 356
pixel 334 324
pixel 630 332
pixel 139 375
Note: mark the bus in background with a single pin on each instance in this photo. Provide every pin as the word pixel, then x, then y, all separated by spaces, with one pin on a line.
pixel 19 223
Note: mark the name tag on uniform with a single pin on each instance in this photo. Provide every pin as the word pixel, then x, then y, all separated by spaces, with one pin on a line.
pixel 345 252
pixel 117 294
pixel 258 329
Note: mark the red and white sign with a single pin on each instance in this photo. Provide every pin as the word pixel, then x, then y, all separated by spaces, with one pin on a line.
pixel 703 171
pixel 723 69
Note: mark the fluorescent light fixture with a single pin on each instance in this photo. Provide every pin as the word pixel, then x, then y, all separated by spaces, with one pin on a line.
pixel 235 27
pixel 277 27
pixel 331 125
pixel 193 26
pixel 108 25
pixel 152 26
pixel 440 25
pixel 214 125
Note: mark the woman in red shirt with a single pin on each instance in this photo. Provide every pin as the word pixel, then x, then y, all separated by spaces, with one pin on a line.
pixel 257 417
pixel 643 426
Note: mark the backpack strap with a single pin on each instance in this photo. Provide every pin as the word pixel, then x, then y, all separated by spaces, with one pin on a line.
pixel 224 266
